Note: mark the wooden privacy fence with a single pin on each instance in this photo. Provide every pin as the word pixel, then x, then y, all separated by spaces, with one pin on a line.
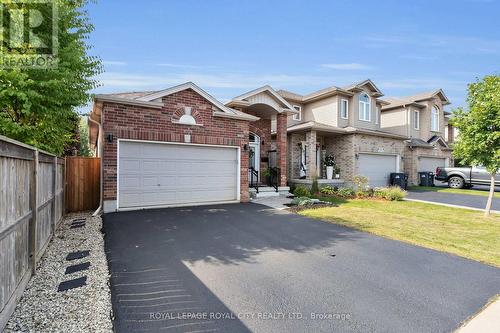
pixel 83 182
pixel 31 206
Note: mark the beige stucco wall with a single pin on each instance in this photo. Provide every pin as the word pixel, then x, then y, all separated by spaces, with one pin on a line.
pixel 395 121
pixel 323 111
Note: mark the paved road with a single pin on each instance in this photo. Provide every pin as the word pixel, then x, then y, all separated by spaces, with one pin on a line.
pixel 474 201
pixel 266 268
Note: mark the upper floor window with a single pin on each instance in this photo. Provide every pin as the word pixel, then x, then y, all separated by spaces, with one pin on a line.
pixel 377 115
pixel 435 119
pixel 416 120
pixel 364 107
pixel 297 116
pixel 344 109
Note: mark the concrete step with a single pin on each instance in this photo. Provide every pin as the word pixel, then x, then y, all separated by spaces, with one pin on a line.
pixel 268 191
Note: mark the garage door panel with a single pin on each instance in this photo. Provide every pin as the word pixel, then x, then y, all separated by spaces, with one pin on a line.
pixel 377 168
pixel 165 174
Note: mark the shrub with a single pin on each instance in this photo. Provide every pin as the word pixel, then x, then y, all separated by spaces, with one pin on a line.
pixel 301 191
pixel 302 201
pixel 327 190
pixel 361 183
pixel 314 186
pixel 345 192
pixel 392 193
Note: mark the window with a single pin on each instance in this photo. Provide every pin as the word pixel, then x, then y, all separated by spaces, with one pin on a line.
pixel 364 107
pixel 377 115
pixel 435 119
pixel 344 109
pixel 297 116
pixel 416 120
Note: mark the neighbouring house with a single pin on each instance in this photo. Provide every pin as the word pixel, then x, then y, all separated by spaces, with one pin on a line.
pixel 180 146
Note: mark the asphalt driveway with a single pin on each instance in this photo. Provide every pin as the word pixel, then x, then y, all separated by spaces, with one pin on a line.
pixel 473 201
pixel 245 267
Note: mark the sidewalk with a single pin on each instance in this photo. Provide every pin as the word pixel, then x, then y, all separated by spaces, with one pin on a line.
pixel 486 321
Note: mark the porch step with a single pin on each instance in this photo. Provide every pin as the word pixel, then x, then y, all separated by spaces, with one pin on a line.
pixel 268 191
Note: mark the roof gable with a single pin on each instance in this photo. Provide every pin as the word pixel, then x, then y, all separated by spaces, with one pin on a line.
pixel 269 91
pixel 368 83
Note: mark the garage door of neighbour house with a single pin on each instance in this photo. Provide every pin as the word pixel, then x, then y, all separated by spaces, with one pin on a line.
pixel 430 163
pixel 377 168
pixel 160 174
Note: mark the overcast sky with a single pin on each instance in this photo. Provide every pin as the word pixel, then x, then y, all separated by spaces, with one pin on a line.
pixel 230 47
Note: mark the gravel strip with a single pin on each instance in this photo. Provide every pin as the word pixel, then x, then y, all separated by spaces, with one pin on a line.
pixel 85 309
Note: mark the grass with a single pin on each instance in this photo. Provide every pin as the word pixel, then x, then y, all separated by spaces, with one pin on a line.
pixel 463 232
pixel 453 190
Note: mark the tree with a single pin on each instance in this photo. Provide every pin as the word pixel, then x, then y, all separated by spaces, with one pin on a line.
pixel 83 137
pixel 478 141
pixel 37 106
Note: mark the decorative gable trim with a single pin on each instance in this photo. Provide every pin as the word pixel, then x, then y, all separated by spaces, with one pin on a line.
pixel 268 89
pixel 190 85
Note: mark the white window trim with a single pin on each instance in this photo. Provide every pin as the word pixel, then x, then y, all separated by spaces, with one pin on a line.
pixel 416 119
pixel 435 129
pixel 377 115
pixel 346 110
pixel 361 110
pixel 298 116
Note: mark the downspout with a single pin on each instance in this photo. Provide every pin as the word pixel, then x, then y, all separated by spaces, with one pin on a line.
pixel 100 154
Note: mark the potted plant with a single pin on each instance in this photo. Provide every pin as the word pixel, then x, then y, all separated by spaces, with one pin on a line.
pixel 330 164
pixel 337 172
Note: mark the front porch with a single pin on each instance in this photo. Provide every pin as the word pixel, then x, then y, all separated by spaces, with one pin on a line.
pixel 267 139
pixel 306 158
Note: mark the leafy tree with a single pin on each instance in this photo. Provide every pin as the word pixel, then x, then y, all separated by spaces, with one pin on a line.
pixel 83 135
pixel 37 106
pixel 478 141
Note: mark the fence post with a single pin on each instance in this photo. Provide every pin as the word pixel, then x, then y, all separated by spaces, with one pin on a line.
pixel 34 212
pixel 54 195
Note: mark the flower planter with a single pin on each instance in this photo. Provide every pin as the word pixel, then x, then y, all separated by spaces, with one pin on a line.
pixel 329 172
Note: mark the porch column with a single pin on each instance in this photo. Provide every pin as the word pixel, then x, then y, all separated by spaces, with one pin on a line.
pixel 281 147
pixel 311 155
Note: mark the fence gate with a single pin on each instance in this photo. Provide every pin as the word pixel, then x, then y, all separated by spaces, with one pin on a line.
pixel 82 183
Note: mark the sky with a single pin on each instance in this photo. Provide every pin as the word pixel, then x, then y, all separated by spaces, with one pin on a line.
pixel 230 47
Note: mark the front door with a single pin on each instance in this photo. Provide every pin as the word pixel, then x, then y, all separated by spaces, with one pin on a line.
pixel 253 158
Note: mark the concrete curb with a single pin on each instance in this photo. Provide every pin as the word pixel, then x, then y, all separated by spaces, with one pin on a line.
pixel 450 205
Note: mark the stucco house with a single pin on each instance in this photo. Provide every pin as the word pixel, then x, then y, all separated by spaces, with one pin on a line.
pixel 181 146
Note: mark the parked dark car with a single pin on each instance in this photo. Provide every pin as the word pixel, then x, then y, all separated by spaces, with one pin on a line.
pixel 465 177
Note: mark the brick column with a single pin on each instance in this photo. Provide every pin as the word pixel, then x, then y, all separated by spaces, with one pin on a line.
pixel 311 154
pixel 281 147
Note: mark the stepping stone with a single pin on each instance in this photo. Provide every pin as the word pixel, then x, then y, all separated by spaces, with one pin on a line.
pixel 71 284
pixel 77 255
pixel 77 268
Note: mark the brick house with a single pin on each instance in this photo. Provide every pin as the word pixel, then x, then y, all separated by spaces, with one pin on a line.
pixel 180 146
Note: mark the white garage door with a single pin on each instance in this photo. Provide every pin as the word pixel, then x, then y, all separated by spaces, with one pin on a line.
pixel 377 168
pixel 430 163
pixel 158 174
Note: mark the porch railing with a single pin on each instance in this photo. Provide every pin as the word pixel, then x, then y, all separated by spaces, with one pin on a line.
pixel 254 179
pixel 274 178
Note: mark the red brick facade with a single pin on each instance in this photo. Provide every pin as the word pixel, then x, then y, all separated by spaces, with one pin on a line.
pixel 142 123
pixel 281 146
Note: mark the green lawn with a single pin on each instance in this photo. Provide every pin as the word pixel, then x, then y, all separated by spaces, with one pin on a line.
pixel 459 231
pixel 453 190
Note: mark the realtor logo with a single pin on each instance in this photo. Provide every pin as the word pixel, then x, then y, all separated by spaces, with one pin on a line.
pixel 28 34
